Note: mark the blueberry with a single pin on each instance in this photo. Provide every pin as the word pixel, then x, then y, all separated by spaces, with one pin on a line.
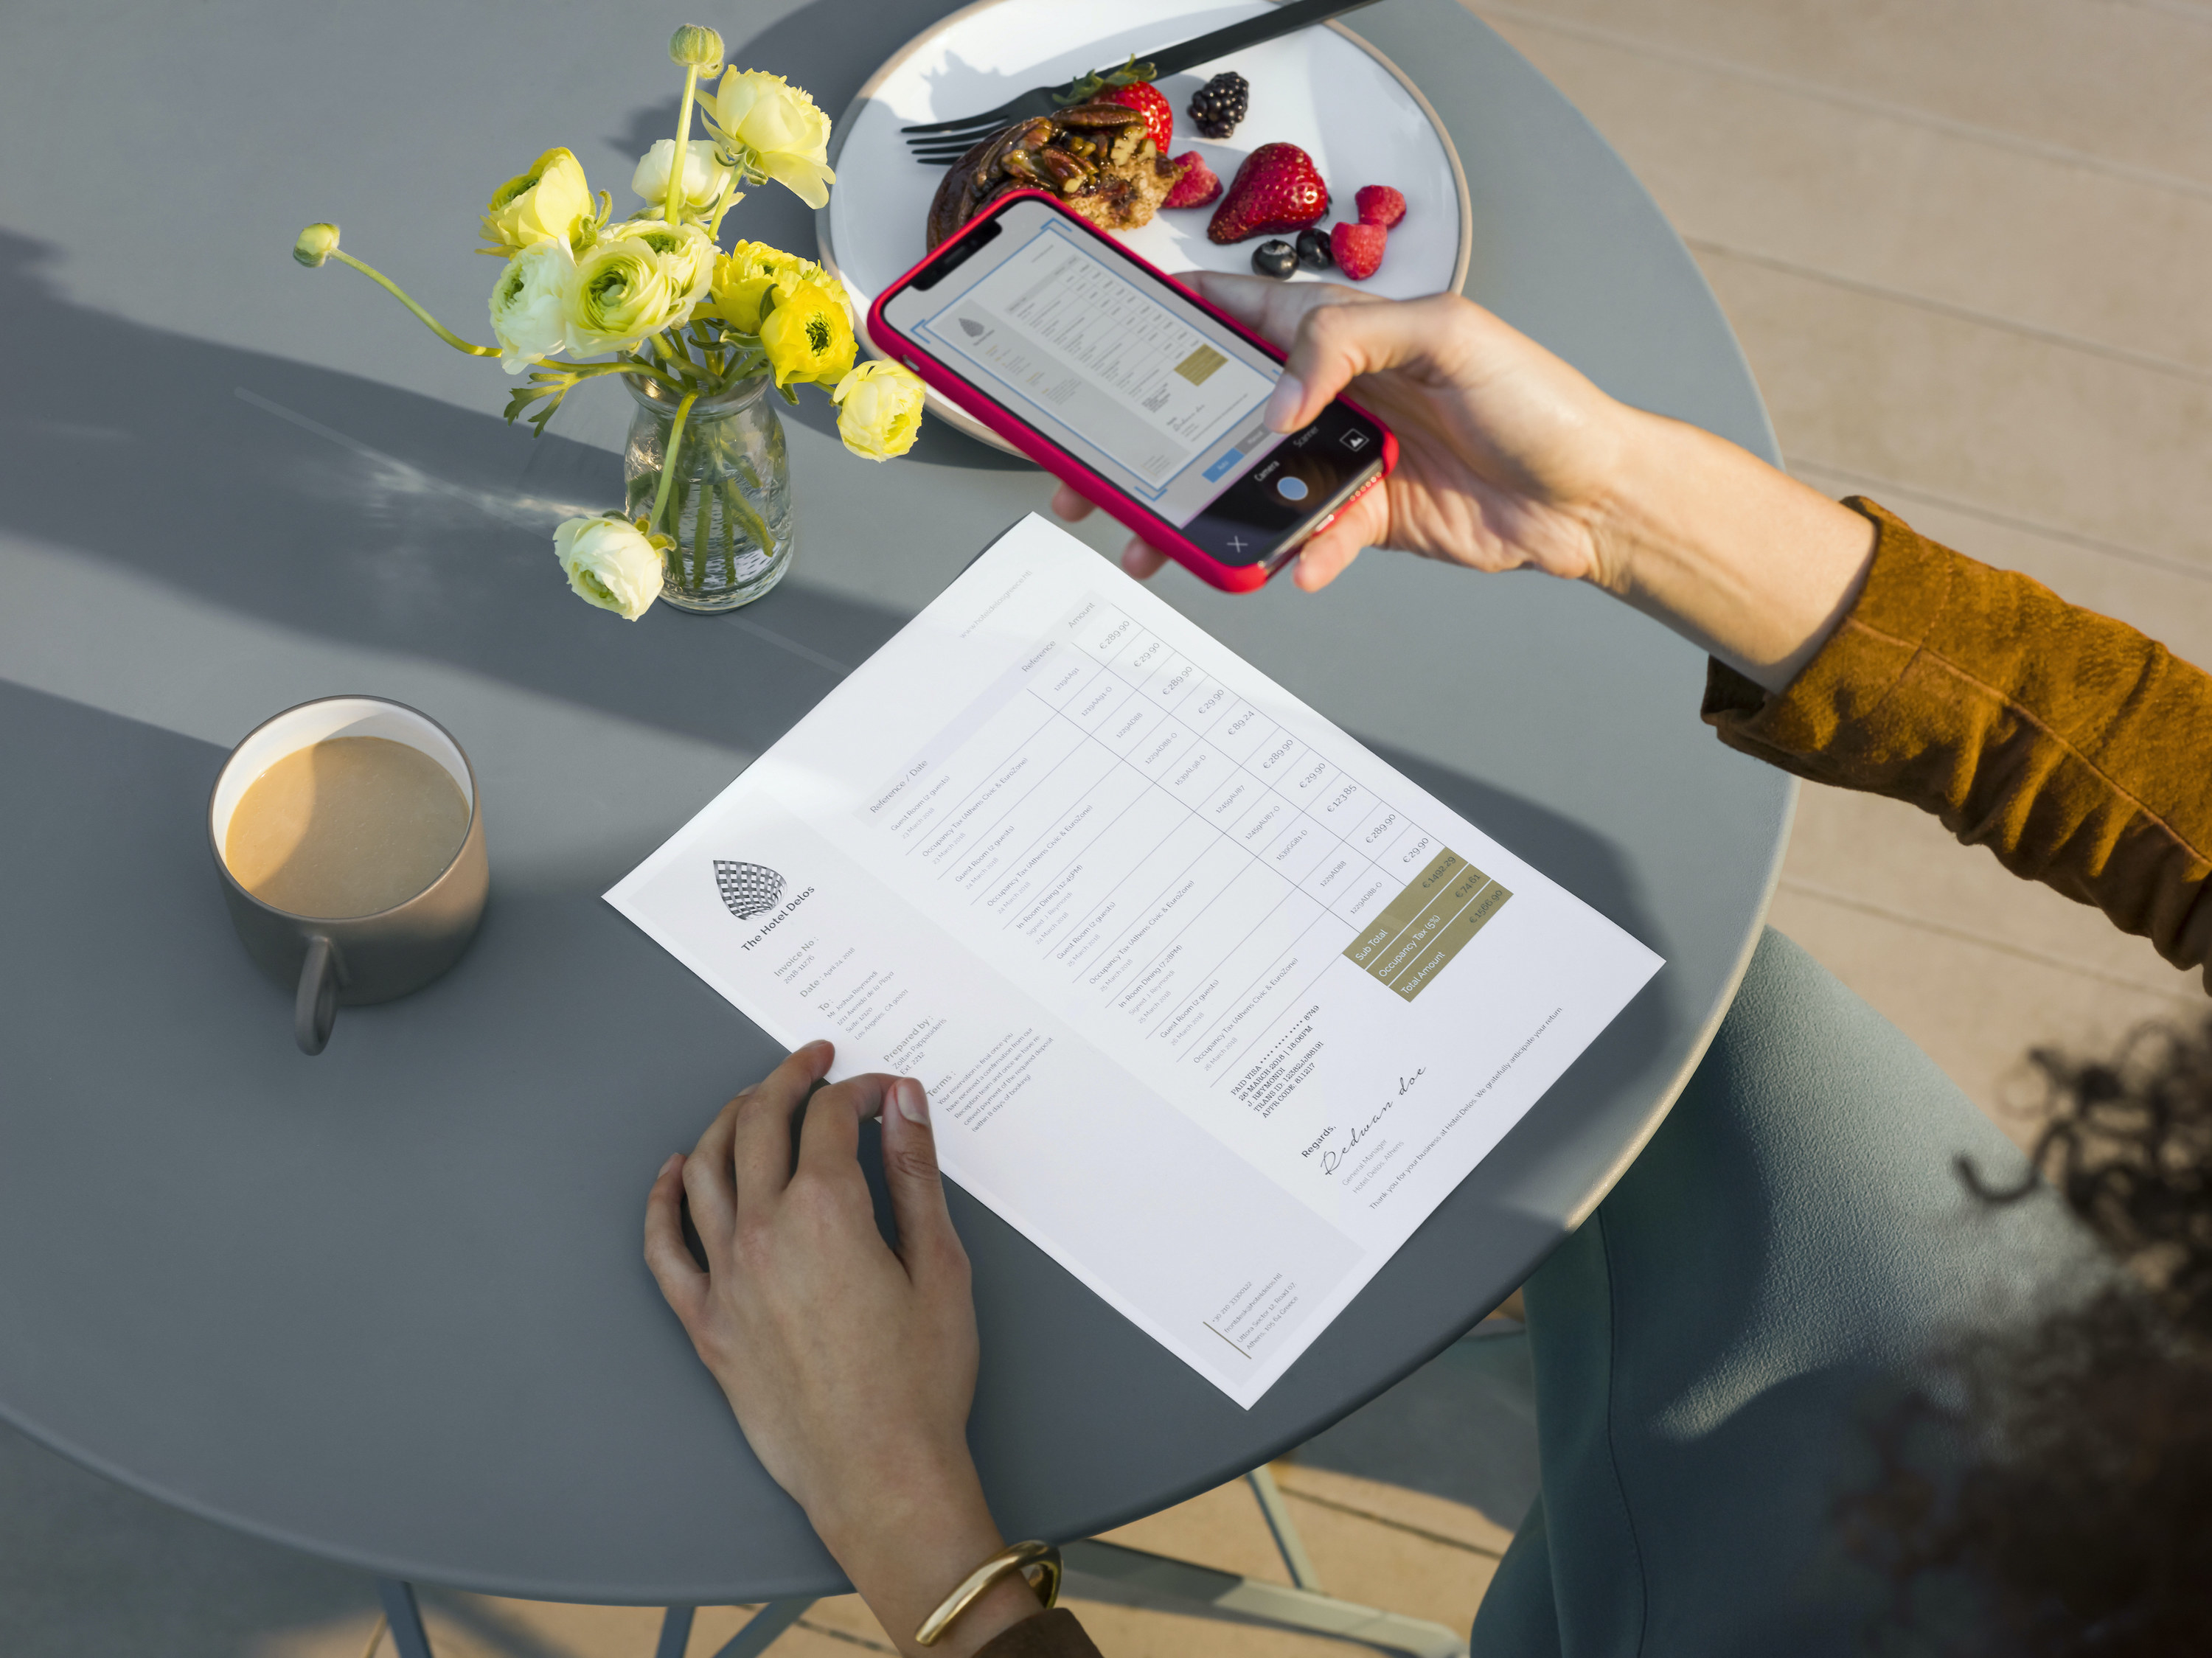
pixel 1313 251
pixel 1276 259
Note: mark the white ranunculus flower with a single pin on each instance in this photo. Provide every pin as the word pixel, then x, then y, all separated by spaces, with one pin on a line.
pixel 773 130
pixel 526 305
pixel 686 253
pixel 609 563
pixel 705 174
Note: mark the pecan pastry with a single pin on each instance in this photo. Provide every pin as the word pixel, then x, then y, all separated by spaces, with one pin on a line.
pixel 1098 159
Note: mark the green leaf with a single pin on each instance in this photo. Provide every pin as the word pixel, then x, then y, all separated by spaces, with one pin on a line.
pixel 1086 87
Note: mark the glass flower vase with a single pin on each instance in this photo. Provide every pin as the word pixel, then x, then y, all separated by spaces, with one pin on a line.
pixel 729 499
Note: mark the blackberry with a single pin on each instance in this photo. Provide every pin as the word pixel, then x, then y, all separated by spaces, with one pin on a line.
pixel 1221 103
pixel 1276 259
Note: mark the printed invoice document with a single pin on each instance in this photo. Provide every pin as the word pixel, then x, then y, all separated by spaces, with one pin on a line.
pixel 1213 1004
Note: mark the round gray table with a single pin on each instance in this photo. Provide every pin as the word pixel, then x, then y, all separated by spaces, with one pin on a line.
pixel 387 1304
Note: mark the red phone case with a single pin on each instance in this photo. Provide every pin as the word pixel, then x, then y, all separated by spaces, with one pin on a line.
pixel 1231 578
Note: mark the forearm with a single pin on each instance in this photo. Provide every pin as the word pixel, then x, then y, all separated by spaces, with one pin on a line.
pixel 906 1553
pixel 1734 556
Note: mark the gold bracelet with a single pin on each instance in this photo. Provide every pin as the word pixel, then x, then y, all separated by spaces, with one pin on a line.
pixel 1014 1557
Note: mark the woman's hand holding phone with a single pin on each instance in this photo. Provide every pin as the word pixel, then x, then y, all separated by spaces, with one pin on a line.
pixel 1510 459
pixel 1503 449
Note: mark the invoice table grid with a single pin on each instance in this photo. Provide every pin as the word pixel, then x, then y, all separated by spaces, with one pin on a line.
pixel 1171 851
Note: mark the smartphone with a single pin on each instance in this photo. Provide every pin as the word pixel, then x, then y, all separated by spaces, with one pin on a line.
pixel 1121 381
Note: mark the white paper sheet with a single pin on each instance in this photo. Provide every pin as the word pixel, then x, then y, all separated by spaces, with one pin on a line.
pixel 1212 1004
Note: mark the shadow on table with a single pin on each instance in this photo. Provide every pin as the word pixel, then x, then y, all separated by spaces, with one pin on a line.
pixel 348 509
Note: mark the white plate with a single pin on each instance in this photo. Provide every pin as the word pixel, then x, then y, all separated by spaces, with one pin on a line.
pixel 1324 89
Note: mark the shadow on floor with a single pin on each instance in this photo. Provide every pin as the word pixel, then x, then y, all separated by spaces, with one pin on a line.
pixel 88 1570
pixel 1462 1427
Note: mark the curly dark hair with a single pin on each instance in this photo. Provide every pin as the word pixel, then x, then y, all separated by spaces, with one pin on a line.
pixel 2081 1523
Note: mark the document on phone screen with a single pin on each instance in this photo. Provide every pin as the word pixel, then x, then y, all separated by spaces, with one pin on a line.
pixel 1212 1004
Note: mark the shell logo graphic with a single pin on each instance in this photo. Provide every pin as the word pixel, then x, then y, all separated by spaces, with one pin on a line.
pixel 747 889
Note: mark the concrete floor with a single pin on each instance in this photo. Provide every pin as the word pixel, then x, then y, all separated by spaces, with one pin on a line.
pixel 1963 242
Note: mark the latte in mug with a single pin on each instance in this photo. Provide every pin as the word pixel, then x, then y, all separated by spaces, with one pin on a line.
pixel 349 837
pixel 347 826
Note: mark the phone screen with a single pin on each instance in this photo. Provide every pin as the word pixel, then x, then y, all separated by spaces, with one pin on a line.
pixel 1128 376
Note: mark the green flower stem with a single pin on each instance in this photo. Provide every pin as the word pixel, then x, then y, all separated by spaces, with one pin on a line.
pixel 701 523
pixel 676 169
pixel 735 505
pixel 675 364
pixel 400 294
pixel 668 456
pixel 584 371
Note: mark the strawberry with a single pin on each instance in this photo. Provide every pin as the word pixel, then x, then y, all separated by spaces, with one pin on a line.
pixel 1278 190
pixel 1358 249
pixel 1380 205
pixel 1199 185
pixel 1145 99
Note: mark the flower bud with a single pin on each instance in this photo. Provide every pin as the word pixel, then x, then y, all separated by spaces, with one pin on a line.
pixel 317 243
pixel 695 46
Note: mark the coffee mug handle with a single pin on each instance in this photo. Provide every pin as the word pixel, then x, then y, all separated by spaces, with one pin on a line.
pixel 315 1009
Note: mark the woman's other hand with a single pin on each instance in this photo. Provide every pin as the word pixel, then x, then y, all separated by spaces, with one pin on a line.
pixel 850 1366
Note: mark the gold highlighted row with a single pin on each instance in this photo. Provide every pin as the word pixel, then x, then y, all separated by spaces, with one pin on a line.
pixel 1426 925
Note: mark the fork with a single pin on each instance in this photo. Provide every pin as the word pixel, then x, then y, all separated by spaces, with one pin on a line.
pixel 936 143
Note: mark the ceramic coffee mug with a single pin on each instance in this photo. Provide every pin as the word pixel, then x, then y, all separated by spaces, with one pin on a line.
pixel 357 959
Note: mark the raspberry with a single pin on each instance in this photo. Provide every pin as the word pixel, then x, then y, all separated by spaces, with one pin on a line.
pixel 1199 185
pixel 1358 249
pixel 1380 205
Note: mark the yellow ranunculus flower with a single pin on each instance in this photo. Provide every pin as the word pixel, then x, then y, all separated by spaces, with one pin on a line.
pixel 686 253
pixel 618 294
pixel 749 275
pixel 808 337
pixel 547 203
pixel 879 409
pixel 771 129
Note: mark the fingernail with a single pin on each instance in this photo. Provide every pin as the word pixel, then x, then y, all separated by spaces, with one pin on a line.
pixel 913 1104
pixel 1282 410
pixel 675 1160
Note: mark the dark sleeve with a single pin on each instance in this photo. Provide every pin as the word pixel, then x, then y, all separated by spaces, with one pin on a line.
pixel 2076 750
pixel 1053 1634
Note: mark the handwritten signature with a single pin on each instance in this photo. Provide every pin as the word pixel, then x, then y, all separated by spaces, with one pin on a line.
pixel 1334 1159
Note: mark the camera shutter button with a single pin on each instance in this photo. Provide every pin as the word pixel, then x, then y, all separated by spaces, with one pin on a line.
pixel 1291 488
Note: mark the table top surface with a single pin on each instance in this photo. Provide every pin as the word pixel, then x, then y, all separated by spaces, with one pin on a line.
pixel 388 1304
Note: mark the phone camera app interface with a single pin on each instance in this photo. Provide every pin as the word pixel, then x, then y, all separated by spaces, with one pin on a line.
pixel 1120 373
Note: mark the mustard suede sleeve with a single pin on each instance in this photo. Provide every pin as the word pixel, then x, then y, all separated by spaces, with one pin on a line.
pixel 2076 750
